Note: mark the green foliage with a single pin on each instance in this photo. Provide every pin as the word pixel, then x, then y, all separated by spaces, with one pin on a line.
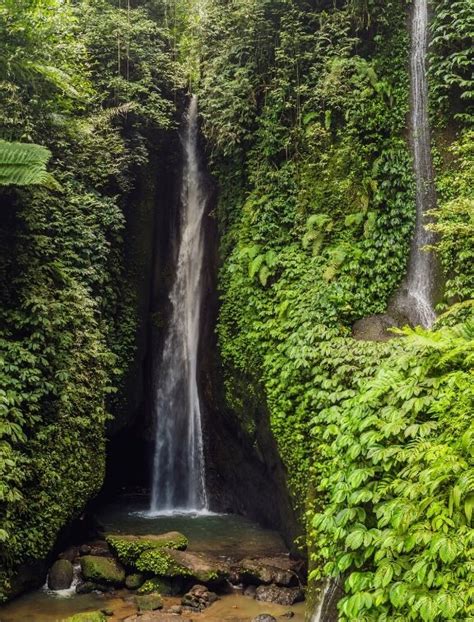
pixel 68 315
pixel 23 164
pixel 129 548
pixel 398 520
pixel 102 570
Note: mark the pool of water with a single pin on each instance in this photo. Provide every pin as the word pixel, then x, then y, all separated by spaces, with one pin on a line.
pixel 221 534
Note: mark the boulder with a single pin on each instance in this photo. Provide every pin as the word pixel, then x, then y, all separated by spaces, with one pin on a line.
pixel 250 591
pixel 102 570
pixel 86 587
pixel 279 570
pixel 166 587
pixel 129 548
pixel 149 602
pixel 279 595
pixel 198 598
pixel 374 328
pixel 60 575
pixel 264 617
pixel 135 581
pixel 70 553
pixel 172 563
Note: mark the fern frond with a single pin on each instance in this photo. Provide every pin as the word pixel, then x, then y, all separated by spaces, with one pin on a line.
pixel 23 164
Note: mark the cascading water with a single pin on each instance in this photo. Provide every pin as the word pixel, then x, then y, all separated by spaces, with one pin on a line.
pixel 178 470
pixel 415 298
pixel 325 608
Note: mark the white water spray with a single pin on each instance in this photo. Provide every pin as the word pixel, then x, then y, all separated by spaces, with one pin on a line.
pixel 322 613
pixel 415 299
pixel 178 470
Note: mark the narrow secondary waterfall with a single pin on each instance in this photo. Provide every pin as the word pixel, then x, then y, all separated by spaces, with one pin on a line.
pixel 324 611
pixel 415 299
pixel 178 471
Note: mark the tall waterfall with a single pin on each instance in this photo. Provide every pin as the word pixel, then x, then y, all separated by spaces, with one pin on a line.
pixel 178 470
pixel 415 299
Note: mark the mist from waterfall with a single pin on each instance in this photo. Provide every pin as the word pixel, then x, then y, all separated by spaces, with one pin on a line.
pixel 415 298
pixel 178 468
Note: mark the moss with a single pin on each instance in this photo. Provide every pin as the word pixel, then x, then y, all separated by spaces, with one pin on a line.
pixel 135 581
pixel 161 563
pixel 88 616
pixel 102 570
pixel 157 584
pixel 150 602
pixel 129 548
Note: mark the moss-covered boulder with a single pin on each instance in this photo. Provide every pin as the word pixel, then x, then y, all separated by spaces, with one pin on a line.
pixel 103 570
pixel 134 581
pixel 171 563
pixel 129 548
pixel 88 616
pixel 166 587
pixel 149 602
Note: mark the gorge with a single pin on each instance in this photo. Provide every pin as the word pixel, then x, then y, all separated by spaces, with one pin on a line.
pixel 236 323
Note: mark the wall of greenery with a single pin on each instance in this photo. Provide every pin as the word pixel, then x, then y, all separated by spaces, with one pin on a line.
pixel 305 109
pixel 91 82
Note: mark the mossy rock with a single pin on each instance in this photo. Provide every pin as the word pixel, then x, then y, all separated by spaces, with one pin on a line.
pixel 129 548
pixel 164 586
pixel 103 570
pixel 134 581
pixel 88 616
pixel 171 563
pixel 149 602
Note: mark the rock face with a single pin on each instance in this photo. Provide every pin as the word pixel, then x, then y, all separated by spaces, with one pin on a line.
pixel 102 570
pixel 199 598
pixel 60 575
pixel 374 328
pixel 280 595
pixel 280 570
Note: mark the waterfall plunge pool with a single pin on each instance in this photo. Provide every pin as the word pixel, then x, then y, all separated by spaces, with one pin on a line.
pixel 223 535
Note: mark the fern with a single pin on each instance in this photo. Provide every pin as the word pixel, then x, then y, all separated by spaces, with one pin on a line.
pixel 24 164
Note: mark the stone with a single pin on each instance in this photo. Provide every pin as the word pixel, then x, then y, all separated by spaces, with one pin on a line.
pixel 157 616
pixel 250 591
pixel 267 570
pixel 288 614
pixel 107 612
pixel 173 563
pixel 102 570
pixel 166 587
pixel 374 328
pixel 264 617
pixel 176 609
pixel 134 581
pixel 60 575
pixel 149 602
pixel 70 553
pixel 88 616
pixel 84 549
pixel 279 595
pixel 128 548
pixel 198 598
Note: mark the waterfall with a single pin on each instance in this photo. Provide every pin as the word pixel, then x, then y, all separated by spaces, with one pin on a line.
pixel 324 611
pixel 178 469
pixel 415 298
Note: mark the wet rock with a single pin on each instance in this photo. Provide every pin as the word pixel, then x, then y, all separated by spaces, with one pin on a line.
pixel 280 595
pixel 128 548
pixel 166 587
pixel 149 602
pixel 157 616
pixel 172 563
pixel 102 570
pixel 100 549
pixel 264 617
pixel 267 570
pixel 135 581
pixel 60 575
pixel 107 612
pixel 198 598
pixel 84 549
pixel 176 609
pixel 250 591
pixel 288 614
pixel 70 553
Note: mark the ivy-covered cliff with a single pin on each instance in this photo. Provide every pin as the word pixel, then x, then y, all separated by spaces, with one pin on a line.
pixel 305 108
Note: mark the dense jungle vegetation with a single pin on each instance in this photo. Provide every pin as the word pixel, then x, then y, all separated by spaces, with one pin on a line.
pixel 304 110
